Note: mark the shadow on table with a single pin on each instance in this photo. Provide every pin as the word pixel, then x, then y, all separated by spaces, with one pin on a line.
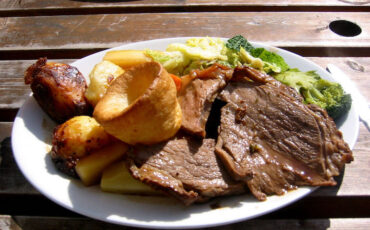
pixel 280 224
pixel 11 178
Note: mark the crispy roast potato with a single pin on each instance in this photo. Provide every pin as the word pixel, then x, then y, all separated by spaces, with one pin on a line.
pixel 58 88
pixel 100 78
pixel 127 58
pixel 75 139
pixel 141 106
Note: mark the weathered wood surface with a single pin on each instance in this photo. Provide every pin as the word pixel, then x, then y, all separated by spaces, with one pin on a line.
pixel 354 182
pixel 13 91
pixel 66 30
pixel 7 223
pixel 35 7
pixel 37 4
pixel 23 222
pixel 307 34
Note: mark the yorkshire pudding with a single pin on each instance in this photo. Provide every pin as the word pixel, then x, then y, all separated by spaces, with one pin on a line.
pixel 140 106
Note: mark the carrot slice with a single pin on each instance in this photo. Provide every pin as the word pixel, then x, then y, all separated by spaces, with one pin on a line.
pixel 177 81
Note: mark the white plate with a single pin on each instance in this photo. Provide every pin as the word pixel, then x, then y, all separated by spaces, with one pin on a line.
pixel 31 142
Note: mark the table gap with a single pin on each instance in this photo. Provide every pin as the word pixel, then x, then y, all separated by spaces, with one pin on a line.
pixel 175 9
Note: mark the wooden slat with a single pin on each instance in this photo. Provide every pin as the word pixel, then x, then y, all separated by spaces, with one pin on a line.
pixel 36 7
pixel 14 91
pixel 79 32
pixel 7 223
pixel 12 87
pixel 357 69
pixel 351 194
pixel 42 223
pixel 352 183
pixel 40 4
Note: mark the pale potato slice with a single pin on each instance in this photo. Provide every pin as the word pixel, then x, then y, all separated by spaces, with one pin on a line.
pixel 127 58
pixel 90 168
pixel 141 106
pixel 100 78
pixel 117 179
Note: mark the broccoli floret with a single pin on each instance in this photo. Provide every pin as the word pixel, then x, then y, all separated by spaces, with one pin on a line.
pixel 315 90
pixel 340 108
pixel 337 102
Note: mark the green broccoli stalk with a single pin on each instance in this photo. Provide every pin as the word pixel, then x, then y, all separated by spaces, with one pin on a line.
pixel 315 90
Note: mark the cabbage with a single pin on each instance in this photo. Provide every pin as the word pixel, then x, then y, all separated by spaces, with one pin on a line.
pixel 256 63
pixel 201 48
pixel 196 53
pixel 200 53
pixel 174 62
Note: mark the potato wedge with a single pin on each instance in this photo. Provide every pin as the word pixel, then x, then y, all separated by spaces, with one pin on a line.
pixel 117 179
pixel 100 78
pixel 90 168
pixel 127 58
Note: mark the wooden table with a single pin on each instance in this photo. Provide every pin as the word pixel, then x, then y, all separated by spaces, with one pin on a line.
pixel 67 30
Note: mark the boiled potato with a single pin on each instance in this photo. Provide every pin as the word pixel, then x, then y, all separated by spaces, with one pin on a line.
pixel 78 136
pixel 116 178
pixel 100 78
pixel 127 58
pixel 90 168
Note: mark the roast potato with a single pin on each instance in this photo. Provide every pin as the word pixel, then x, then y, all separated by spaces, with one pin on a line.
pixel 141 106
pixel 58 88
pixel 75 139
pixel 100 78
pixel 127 58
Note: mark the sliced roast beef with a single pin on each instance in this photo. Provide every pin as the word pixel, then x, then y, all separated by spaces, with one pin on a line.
pixel 268 132
pixel 200 88
pixel 185 168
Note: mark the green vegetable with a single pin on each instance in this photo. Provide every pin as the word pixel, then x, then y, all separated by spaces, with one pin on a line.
pixel 315 90
pixel 273 62
pixel 258 58
pixel 237 42
pixel 201 49
pixel 256 63
pixel 174 62
pixel 200 53
pixel 340 108
pixel 196 53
